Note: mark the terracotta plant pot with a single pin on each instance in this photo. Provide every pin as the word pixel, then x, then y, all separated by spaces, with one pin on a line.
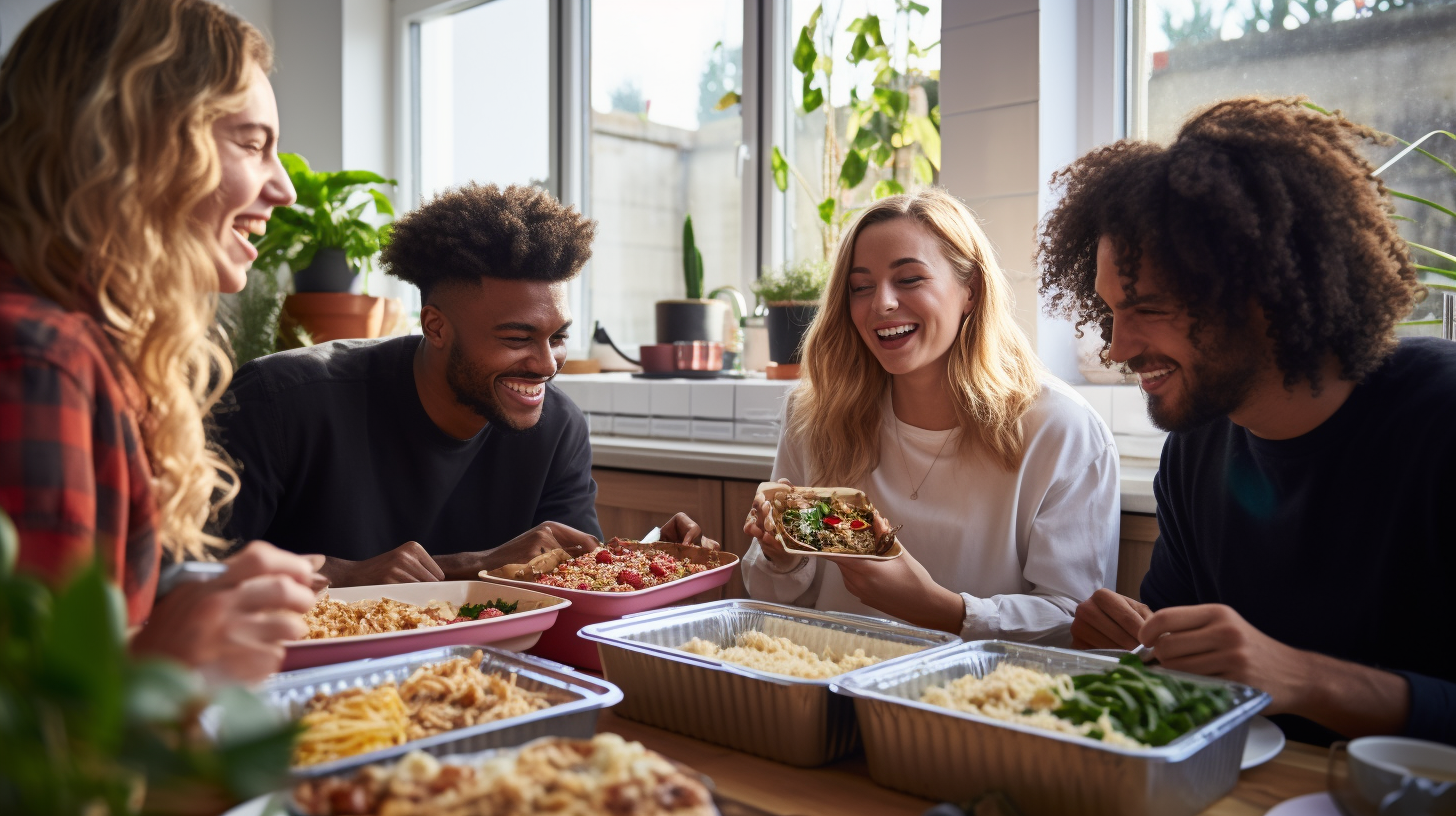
pixel 336 315
pixel 788 321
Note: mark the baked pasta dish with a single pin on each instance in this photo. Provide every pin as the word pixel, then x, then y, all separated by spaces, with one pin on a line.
pixel 763 652
pixel 434 699
pixel 330 618
pixel 614 567
pixel 562 777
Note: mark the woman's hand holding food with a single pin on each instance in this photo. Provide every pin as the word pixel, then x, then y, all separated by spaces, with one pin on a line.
pixel 233 627
pixel 903 588
pixel 759 525
pixel 681 528
pixel 1108 620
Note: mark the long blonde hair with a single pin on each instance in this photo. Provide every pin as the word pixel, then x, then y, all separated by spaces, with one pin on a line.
pixel 106 149
pixel 994 374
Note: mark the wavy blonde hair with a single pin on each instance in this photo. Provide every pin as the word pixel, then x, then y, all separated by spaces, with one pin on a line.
pixel 106 150
pixel 994 375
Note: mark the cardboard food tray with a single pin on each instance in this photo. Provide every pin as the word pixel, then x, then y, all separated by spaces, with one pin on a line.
pixel 535 613
pixel 949 755
pixel 787 719
pixel 850 495
pixel 576 701
pixel 588 606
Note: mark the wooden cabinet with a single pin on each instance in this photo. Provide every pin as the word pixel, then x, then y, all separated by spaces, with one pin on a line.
pixel 629 503
pixel 1135 551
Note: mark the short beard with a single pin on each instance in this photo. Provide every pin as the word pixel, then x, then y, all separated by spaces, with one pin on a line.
pixel 476 392
pixel 1214 385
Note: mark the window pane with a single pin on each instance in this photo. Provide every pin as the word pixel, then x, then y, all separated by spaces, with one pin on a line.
pixel 1388 64
pixel 660 150
pixel 484 97
pixel 890 119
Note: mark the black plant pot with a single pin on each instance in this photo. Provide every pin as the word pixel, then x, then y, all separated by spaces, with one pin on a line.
pixel 787 323
pixel 329 272
pixel 683 320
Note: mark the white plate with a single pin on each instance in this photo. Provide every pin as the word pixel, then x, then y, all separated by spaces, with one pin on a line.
pixel 1263 743
pixel 260 806
pixel 1311 804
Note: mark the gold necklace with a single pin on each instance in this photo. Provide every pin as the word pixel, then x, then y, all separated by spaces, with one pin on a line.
pixel 915 488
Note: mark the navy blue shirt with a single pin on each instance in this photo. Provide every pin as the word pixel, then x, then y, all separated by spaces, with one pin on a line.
pixel 1341 541
pixel 338 456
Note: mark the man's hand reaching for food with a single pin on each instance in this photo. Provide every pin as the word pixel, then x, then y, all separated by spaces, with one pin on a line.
pixel 681 528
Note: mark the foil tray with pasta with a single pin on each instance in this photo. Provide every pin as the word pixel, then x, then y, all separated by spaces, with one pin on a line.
pixel 446 700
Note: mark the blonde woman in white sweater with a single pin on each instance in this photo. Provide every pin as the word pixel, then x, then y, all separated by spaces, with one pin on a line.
pixel 920 389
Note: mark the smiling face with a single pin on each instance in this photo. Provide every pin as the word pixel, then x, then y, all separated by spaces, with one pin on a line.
pixel 253 183
pixel 505 339
pixel 905 298
pixel 1185 385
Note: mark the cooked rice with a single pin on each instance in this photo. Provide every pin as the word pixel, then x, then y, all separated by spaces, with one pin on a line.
pixel 779 655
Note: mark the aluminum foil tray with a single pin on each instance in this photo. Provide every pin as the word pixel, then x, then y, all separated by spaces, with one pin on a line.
pixel 783 718
pixel 953 756
pixel 577 699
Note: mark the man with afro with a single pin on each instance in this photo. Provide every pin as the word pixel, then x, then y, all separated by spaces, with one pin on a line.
pixel 434 456
pixel 1251 276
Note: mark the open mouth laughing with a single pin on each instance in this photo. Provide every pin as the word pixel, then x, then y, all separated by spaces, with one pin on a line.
pixel 897 335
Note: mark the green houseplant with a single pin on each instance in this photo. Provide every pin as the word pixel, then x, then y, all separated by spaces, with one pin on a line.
pixel 326 238
pixel 695 317
pixel 791 297
pixel 87 729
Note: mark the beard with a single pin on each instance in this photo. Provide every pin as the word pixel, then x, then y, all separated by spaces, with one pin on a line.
pixel 475 390
pixel 1214 384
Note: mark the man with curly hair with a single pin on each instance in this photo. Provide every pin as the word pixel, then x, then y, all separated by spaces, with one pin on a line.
pixel 1251 276
pixel 455 442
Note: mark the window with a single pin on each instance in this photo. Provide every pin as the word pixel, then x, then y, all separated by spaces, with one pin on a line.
pixel 877 106
pixel 1385 63
pixel 661 147
pixel 484 96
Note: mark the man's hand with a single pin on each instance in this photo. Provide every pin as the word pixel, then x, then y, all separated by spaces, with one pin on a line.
pixel 542 538
pixel 233 627
pixel 759 525
pixel 1108 621
pixel 404 564
pixel 902 587
pixel 682 529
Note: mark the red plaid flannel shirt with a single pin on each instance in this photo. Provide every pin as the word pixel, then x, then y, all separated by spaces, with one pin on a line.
pixel 73 471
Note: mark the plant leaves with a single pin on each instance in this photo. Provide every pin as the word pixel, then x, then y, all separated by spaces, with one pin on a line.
pixel 917 8
pixel 853 171
pixel 1433 205
pixel 382 203
pixel 867 26
pixel 883 154
pixel 927 135
pixel 923 170
pixel 780 170
pixel 893 103
pixel 865 139
pixel 727 101
pixel 1438 253
pixel 805 52
pixel 1435 271
pixel 826 210
pixel 887 187
pixel 813 25
pixel 858 49
pixel 813 98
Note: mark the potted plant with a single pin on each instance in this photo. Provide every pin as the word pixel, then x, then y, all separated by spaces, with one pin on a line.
pixel 792 297
pixel 696 317
pixel 326 240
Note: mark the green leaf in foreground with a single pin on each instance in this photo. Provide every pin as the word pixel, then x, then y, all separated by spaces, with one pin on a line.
pixel 780 170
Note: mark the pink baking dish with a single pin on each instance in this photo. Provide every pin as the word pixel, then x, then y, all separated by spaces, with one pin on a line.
pixel 535 613
pixel 560 642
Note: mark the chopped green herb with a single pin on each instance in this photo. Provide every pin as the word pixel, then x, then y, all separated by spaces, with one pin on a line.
pixel 1150 708
pixel 472 611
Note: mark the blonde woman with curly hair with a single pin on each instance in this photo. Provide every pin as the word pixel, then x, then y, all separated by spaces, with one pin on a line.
pixel 138 149
pixel 920 389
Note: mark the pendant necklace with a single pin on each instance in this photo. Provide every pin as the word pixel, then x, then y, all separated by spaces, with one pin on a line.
pixel 915 488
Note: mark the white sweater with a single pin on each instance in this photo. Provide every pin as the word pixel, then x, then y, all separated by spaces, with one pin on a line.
pixel 1023 548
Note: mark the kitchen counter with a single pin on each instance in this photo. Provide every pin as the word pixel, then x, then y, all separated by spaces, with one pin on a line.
pixel 727 460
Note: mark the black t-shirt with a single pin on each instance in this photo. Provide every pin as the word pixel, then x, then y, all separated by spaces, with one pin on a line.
pixel 1341 541
pixel 337 456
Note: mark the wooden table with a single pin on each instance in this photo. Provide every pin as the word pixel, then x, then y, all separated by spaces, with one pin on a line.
pixel 845 786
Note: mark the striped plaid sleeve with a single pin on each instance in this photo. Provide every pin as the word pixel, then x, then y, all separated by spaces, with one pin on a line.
pixel 48 476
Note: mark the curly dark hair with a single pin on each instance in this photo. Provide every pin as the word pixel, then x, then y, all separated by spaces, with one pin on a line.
pixel 476 231
pixel 1257 201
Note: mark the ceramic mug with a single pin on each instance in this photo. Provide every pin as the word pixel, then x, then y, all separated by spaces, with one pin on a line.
pixel 1395 776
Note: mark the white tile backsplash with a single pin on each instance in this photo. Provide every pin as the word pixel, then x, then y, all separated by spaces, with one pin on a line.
pixel 631 426
pixel 667 428
pixel 671 398
pixel 632 397
pixel 760 400
pixel 713 400
pixel 712 430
